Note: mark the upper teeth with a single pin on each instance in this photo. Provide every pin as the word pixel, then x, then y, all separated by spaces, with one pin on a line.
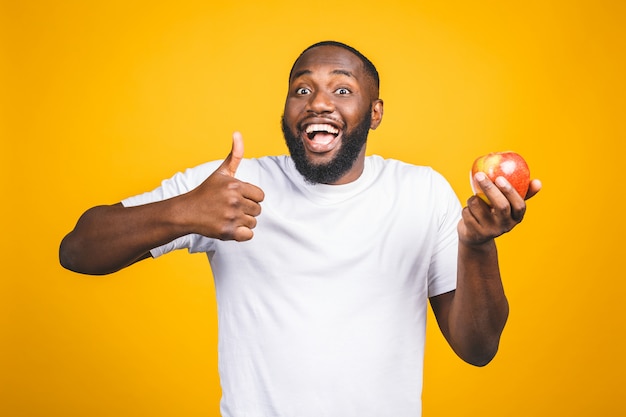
pixel 322 128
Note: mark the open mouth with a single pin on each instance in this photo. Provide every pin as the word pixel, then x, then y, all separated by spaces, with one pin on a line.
pixel 321 137
pixel 324 129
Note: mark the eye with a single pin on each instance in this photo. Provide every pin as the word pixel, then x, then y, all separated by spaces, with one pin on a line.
pixel 342 91
pixel 303 91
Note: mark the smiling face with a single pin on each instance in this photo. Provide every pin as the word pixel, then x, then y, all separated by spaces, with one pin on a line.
pixel 331 105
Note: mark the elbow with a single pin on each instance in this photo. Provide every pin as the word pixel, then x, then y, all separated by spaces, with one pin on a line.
pixel 76 255
pixel 480 361
pixel 65 257
pixel 481 355
pixel 72 259
pixel 68 256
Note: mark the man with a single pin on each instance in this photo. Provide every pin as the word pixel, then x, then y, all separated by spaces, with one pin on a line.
pixel 323 261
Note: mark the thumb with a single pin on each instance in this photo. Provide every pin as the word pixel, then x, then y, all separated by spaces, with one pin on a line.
pixel 231 163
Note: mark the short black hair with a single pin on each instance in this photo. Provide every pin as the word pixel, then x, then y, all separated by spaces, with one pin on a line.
pixel 370 69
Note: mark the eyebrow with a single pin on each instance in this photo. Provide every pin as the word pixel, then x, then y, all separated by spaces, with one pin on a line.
pixel 334 72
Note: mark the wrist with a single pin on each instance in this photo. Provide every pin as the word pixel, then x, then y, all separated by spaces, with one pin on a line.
pixel 482 247
pixel 177 219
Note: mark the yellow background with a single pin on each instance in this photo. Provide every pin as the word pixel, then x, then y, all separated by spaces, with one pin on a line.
pixel 103 99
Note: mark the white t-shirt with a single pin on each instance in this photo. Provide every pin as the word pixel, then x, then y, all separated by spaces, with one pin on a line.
pixel 323 312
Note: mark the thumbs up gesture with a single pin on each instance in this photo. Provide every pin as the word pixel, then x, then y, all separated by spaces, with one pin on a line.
pixel 224 207
pixel 232 161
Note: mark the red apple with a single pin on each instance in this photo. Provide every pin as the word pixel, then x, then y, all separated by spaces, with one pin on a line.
pixel 509 165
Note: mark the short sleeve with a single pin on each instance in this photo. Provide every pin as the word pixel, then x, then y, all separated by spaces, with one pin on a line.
pixel 180 183
pixel 443 265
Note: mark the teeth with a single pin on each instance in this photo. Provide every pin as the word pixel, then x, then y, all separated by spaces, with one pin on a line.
pixel 322 128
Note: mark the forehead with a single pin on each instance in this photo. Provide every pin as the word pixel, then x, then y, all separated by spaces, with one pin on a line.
pixel 328 59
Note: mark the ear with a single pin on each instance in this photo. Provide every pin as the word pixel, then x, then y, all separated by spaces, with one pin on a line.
pixel 377 113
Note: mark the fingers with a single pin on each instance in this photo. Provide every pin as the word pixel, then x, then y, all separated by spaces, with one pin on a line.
pixel 249 205
pixel 241 211
pixel 534 188
pixel 234 216
pixel 253 193
pixel 230 165
pixel 482 220
pixel 514 206
pixel 232 161
pixel 244 232
pixel 236 154
pixel 505 209
pixel 223 206
pixel 501 194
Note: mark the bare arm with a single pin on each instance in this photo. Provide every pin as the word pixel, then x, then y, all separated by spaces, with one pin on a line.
pixel 473 316
pixel 108 238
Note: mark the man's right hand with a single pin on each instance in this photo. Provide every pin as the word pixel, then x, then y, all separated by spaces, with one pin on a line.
pixel 224 207
pixel 108 238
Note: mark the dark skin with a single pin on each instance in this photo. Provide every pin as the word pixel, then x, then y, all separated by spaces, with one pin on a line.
pixel 109 238
pixel 329 87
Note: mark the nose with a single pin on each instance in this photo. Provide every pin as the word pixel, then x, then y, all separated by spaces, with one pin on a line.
pixel 321 102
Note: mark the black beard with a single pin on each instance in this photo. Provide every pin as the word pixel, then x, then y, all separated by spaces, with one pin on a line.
pixel 330 172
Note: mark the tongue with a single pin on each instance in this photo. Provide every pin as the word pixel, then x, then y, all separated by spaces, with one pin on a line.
pixel 323 138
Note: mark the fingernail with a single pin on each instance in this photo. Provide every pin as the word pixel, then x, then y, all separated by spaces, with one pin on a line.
pixel 501 182
pixel 480 176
